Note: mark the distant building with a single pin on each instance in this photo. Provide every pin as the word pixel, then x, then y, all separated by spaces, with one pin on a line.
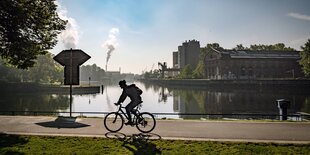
pixel 175 59
pixel 230 64
pixel 187 54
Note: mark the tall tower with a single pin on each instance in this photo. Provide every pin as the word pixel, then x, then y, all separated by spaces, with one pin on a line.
pixel 188 53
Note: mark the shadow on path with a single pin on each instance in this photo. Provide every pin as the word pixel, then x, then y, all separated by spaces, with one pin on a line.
pixel 137 143
pixel 63 122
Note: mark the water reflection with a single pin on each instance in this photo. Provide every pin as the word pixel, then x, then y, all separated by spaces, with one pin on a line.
pixel 33 102
pixel 162 99
pixel 237 101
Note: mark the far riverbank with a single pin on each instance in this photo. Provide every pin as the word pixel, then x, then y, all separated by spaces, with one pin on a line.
pixel 201 83
pixel 55 89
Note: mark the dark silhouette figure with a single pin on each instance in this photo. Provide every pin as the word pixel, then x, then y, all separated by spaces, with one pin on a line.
pixel 133 92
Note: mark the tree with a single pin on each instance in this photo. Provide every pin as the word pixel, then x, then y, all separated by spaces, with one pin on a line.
pixel 239 47
pixel 94 72
pixel 28 28
pixel 260 47
pixel 281 47
pixel 275 47
pixel 9 73
pixel 186 72
pixel 278 47
pixel 305 58
pixel 214 46
pixel 46 70
pixel 199 71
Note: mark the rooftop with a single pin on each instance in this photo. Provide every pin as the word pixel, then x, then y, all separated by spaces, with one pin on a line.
pixel 262 54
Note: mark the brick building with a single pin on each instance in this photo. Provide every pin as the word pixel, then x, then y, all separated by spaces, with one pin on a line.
pixel 230 64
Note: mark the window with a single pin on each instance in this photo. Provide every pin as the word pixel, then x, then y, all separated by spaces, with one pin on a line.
pixel 250 71
pixel 242 71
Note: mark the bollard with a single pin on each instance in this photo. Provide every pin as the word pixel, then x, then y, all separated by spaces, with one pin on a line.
pixel 283 105
pixel 102 89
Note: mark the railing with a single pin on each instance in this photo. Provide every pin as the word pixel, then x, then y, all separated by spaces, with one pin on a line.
pixel 243 116
pixel 248 116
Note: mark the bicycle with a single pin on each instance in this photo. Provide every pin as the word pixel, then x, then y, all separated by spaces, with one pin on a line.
pixel 144 121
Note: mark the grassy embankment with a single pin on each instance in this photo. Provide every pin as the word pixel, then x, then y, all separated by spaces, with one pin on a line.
pixel 12 144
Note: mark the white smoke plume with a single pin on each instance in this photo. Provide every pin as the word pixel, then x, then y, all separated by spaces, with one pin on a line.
pixel 111 43
pixel 70 36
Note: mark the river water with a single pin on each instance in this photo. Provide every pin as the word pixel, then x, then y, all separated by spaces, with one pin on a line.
pixel 167 101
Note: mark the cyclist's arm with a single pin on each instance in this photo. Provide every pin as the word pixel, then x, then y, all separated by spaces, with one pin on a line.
pixel 122 98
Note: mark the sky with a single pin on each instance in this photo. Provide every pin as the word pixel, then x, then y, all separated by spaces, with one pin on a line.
pixel 134 35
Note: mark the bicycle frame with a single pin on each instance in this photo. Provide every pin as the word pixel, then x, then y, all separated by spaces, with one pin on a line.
pixel 135 112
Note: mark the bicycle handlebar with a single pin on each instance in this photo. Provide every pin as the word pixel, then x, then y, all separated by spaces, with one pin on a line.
pixel 120 105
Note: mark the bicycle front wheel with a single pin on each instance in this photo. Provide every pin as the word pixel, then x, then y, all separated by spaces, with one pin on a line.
pixel 113 122
pixel 145 122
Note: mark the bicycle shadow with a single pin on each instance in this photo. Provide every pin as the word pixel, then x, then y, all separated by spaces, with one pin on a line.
pixel 137 143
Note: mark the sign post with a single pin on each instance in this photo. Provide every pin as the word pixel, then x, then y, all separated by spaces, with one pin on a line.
pixel 71 60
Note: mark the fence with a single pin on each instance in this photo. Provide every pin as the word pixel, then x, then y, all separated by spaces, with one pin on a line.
pixel 292 117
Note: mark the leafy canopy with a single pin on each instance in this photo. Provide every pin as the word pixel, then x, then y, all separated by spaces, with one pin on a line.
pixel 28 28
pixel 46 70
pixel 260 47
pixel 305 58
pixel 199 71
pixel 186 72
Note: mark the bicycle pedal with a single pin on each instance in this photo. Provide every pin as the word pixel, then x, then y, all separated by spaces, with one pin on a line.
pixel 145 123
pixel 130 123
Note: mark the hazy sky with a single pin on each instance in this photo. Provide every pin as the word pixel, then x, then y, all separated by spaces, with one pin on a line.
pixel 141 33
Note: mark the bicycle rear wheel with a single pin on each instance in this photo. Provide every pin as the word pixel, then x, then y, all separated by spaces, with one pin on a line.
pixel 113 122
pixel 145 122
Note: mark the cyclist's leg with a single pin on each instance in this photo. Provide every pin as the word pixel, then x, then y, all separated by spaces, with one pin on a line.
pixel 129 108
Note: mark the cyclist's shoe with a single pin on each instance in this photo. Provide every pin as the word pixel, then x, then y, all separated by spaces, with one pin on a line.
pixel 129 123
pixel 140 120
pixel 144 123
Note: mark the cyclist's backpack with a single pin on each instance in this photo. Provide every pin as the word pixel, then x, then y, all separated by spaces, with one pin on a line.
pixel 138 89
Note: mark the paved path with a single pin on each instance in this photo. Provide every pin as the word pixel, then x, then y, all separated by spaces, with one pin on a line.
pixel 286 132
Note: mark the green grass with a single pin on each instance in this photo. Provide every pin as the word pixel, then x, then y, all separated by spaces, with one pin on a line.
pixel 13 144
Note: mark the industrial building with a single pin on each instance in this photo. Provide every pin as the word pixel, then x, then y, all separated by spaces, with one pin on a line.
pixel 187 54
pixel 231 64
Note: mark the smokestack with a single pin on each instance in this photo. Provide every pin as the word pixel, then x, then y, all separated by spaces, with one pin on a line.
pixel 111 43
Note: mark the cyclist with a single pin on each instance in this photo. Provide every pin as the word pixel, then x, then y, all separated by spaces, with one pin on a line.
pixel 133 92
